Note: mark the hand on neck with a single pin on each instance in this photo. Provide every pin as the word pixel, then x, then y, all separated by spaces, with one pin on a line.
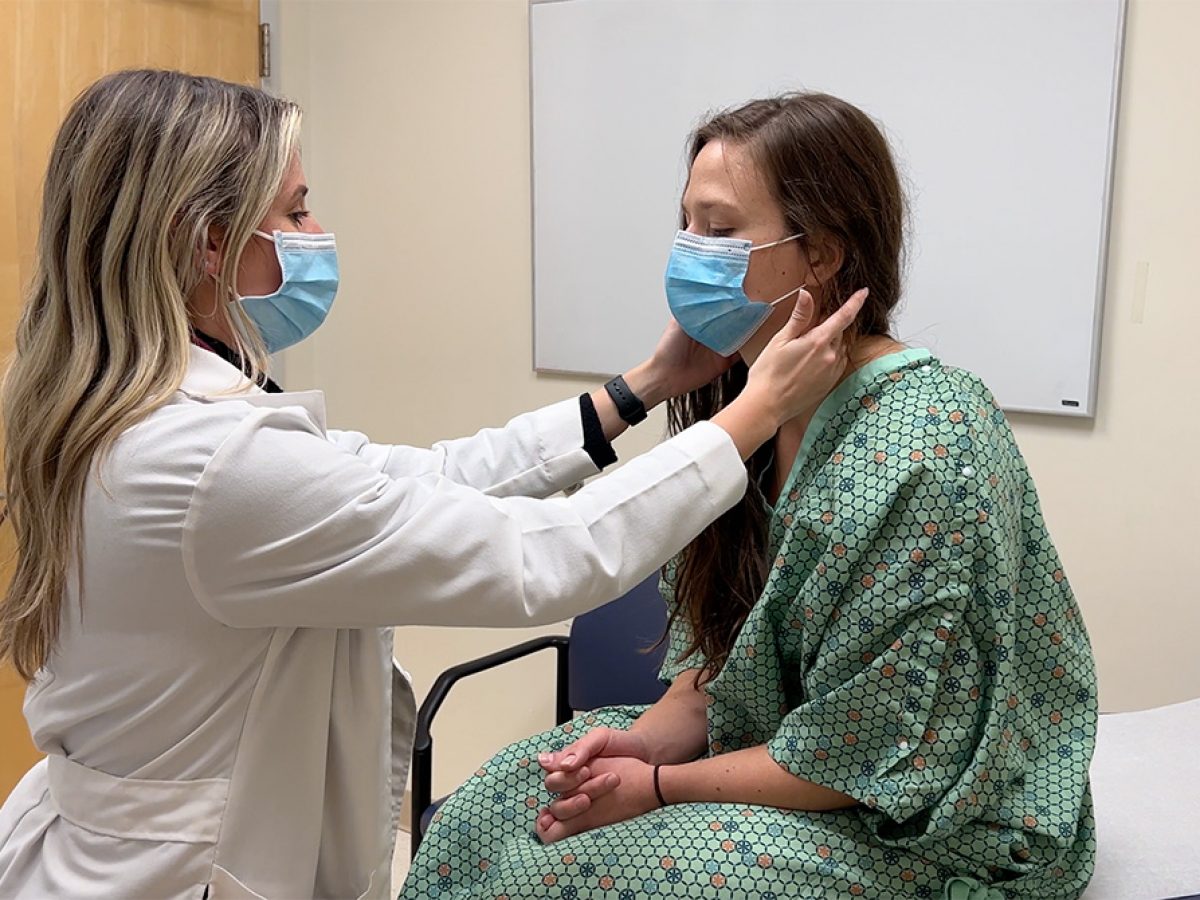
pixel 790 437
pixel 861 351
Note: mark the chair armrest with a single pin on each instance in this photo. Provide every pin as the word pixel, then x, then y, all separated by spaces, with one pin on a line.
pixel 423 741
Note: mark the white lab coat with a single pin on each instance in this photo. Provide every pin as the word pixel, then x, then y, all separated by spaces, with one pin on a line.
pixel 222 712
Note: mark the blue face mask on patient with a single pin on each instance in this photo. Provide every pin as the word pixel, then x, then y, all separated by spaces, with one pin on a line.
pixel 705 277
pixel 310 281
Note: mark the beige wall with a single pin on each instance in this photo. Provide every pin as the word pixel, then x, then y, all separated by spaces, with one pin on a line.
pixel 417 149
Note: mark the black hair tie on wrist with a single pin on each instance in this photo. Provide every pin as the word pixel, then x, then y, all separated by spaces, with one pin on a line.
pixel 662 801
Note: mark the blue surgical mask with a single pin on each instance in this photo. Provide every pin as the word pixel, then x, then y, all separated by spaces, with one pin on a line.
pixel 310 281
pixel 705 278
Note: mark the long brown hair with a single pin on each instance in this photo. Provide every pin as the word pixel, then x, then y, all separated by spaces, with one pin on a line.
pixel 829 167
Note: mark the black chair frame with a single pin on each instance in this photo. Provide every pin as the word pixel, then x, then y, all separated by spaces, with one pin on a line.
pixel 422 780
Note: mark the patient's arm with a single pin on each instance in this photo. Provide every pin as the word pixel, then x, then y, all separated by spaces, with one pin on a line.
pixel 607 775
pixel 746 776
pixel 675 729
pixel 749 777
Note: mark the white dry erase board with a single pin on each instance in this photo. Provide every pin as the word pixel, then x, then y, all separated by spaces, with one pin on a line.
pixel 1002 115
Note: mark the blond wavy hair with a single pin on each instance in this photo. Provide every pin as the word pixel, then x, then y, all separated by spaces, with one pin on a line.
pixel 146 165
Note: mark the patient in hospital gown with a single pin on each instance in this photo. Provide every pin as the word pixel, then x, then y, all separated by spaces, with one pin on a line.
pixel 917 647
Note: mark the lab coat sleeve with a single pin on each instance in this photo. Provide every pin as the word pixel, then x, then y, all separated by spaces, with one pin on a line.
pixel 286 528
pixel 535 455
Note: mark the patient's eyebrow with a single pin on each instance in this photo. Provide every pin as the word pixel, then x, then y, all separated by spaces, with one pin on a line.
pixel 710 205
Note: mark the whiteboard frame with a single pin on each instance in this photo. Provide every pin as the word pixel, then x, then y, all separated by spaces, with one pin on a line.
pixel 1114 117
pixel 1085 410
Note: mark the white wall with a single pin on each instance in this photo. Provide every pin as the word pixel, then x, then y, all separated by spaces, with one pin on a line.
pixel 417 151
pixel 1122 495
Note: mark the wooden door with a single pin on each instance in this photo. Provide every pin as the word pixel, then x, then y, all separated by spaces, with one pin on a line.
pixel 49 51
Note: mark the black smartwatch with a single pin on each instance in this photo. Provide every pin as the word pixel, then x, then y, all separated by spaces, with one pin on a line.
pixel 629 407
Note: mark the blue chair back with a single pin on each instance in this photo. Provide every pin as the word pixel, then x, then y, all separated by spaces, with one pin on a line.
pixel 608 663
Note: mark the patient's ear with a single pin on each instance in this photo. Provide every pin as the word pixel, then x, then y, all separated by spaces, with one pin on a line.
pixel 825 256
pixel 212 253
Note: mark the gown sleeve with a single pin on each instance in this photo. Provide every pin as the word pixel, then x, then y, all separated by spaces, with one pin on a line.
pixel 879 720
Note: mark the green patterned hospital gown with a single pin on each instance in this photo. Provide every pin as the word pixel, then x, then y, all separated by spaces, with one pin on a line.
pixel 917 647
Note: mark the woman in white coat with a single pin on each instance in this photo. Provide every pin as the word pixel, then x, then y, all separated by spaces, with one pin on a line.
pixel 206 575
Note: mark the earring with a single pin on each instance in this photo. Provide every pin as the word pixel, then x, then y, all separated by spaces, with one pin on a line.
pixel 212 312
pixel 210 271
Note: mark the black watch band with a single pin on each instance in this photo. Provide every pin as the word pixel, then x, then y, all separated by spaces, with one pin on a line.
pixel 629 407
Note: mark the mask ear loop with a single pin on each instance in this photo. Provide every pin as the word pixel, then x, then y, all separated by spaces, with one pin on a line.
pixel 775 303
pixel 778 242
pixel 794 237
pixel 211 274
